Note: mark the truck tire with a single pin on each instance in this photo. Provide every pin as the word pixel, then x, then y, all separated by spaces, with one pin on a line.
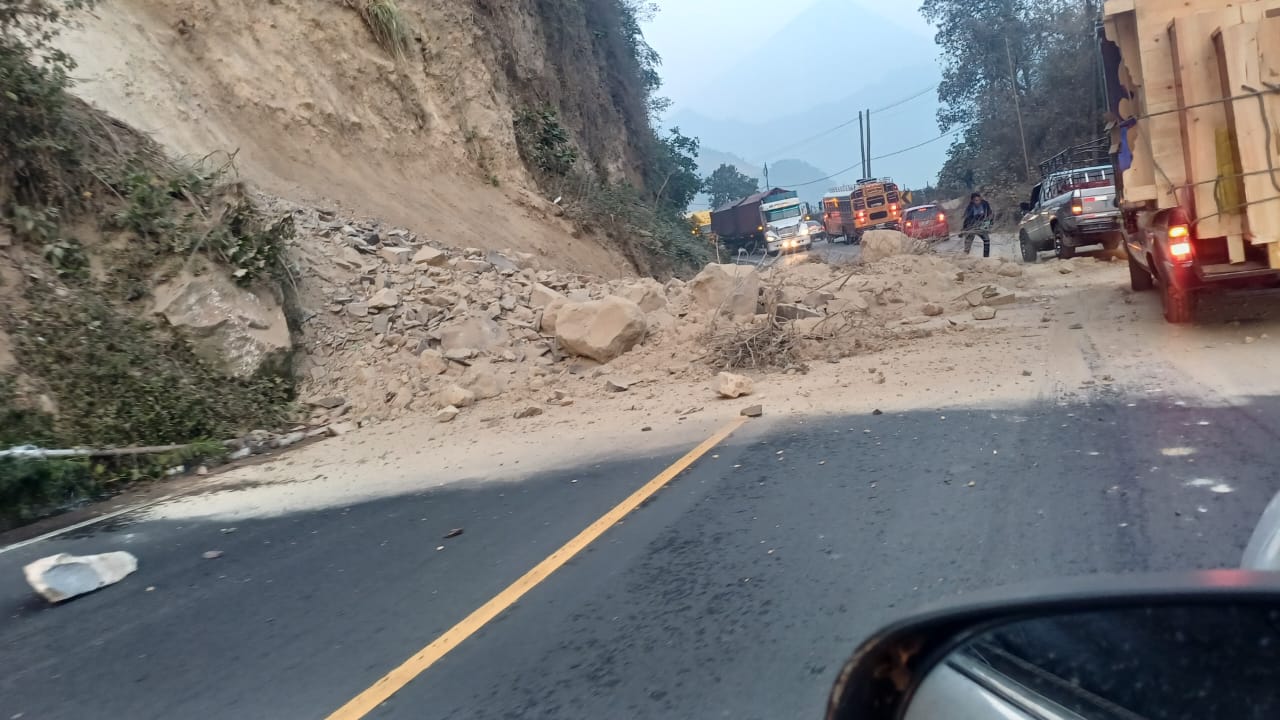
pixel 1179 303
pixel 1029 253
pixel 1139 279
pixel 1060 246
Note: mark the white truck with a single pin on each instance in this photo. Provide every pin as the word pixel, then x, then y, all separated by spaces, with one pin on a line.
pixel 785 224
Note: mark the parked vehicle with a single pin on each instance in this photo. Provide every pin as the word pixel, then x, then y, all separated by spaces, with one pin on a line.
pixel 1073 207
pixel 1201 212
pixel 926 222
pixel 837 216
pixel 765 220
pixel 816 230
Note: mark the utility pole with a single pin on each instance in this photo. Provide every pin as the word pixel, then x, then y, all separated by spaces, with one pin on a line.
pixel 868 175
pixel 1017 106
pixel 862 145
pixel 767 186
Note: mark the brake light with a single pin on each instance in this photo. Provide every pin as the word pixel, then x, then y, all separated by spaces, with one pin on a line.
pixel 1179 231
pixel 893 207
pixel 1180 250
pixel 942 217
pixel 908 223
pixel 1077 209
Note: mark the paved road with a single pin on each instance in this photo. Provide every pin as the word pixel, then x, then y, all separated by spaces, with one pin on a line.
pixel 736 592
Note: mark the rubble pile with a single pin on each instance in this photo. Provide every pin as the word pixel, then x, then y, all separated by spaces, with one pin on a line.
pixel 399 325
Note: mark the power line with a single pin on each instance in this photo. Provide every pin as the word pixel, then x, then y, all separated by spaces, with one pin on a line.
pixel 904 101
pixel 881 157
pixel 947 134
pixel 851 121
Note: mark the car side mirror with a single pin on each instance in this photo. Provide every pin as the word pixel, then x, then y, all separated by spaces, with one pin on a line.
pixel 1190 645
pixel 1026 207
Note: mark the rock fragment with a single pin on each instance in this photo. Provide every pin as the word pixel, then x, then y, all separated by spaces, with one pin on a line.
pixel 64 576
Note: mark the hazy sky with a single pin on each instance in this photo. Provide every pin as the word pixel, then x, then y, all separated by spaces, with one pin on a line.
pixel 685 34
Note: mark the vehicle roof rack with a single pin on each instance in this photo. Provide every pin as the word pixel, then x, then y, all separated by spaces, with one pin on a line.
pixel 1090 154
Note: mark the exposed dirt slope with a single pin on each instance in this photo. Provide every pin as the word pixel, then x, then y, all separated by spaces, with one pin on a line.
pixel 318 112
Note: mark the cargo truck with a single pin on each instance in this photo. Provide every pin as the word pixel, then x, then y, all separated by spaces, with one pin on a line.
pixel 1193 105
pixel 772 220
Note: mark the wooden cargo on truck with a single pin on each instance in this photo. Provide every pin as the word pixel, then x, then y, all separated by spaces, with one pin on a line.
pixel 1195 99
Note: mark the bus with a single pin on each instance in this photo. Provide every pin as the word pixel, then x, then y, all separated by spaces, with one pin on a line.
pixel 877 205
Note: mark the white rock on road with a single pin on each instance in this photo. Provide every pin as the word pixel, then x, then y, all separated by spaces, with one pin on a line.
pixel 64 576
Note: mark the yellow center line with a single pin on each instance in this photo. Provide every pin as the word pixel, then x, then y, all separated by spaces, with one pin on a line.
pixel 391 683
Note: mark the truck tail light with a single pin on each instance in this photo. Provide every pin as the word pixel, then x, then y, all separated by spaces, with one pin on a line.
pixel 1180 242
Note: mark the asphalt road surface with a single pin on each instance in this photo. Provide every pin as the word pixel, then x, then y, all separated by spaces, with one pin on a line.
pixel 736 591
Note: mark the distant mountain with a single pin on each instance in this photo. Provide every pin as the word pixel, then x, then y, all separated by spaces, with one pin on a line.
pixel 772 104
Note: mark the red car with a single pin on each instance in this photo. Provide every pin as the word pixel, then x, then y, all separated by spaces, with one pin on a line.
pixel 926 222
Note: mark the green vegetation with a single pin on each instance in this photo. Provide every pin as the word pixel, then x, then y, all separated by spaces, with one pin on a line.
pixel 641 206
pixel 75 187
pixel 1044 54
pixel 727 183
pixel 387 23
pixel 543 142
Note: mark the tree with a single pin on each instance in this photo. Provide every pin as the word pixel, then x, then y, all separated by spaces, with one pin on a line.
pixel 728 183
pixel 673 171
pixel 1045 55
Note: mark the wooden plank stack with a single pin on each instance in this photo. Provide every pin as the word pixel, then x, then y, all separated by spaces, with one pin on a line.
pixel 1205 117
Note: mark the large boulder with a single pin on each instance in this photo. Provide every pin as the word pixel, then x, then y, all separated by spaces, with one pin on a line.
pixel 600 329
pixel 475 332
pixel 880 244
pixel 732 290
pixel 547 323
pixel 228 325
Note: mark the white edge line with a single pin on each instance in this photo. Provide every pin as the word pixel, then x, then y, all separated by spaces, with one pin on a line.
pixel 85 523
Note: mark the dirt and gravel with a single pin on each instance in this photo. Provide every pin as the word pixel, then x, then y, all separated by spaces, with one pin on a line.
pixel 1062 331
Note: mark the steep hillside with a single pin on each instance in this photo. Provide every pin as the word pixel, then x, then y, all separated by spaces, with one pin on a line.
pixel 318 111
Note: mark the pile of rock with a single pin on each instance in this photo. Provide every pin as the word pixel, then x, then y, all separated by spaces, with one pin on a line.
pixel 402 325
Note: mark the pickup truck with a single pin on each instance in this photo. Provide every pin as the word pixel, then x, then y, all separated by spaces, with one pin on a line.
pixel 1070 209
pixel 1203 215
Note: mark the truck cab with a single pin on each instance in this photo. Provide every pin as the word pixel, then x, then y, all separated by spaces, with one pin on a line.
pixel 786 227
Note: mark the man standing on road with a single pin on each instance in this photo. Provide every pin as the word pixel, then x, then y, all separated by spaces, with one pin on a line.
pixel 977 221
